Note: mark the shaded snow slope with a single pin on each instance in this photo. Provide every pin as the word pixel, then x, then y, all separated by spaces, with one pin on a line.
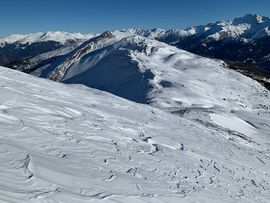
pixel 60 143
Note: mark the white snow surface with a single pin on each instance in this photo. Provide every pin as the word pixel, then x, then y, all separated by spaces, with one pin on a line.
pixel 68 143
pixel 233 123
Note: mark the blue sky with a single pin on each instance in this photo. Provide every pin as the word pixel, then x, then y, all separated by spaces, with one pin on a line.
pixel 24 16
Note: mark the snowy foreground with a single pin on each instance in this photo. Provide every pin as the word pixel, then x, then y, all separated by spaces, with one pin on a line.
pixel 64 143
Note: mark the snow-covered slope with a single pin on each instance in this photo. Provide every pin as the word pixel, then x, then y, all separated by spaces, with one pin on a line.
pixel 61 143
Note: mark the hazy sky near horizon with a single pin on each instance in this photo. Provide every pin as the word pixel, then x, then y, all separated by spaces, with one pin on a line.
pixel 25 16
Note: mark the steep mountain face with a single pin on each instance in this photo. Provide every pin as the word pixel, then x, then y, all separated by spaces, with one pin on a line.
pixel 18 47
pixel 245 39
pixel 108 67
pixel 69 144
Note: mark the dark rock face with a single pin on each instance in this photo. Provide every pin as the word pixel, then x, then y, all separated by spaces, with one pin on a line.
pixel 3 60
pixel 165 83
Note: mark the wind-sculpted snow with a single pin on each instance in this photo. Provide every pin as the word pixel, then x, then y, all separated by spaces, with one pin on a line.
pixel 62 143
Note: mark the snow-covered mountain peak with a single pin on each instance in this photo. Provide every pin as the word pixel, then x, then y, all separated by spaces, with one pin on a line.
pixel 243 27
pixel 21 38
pixel 105 35
pixel 183 33
pixel 151 33
pixel 60 37
pixel 63 37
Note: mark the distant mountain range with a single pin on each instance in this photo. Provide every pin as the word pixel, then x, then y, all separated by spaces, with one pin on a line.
pixel 18 47
pixel 244 44
pixel 243 40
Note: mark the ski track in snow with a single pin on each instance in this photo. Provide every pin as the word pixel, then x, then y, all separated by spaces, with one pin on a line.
pixel 60 143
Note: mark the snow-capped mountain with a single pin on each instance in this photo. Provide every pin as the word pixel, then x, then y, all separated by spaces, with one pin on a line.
pixel 18 47
pixel 61 37
pixel 248 27
pixel 75 144
pixel 245 39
